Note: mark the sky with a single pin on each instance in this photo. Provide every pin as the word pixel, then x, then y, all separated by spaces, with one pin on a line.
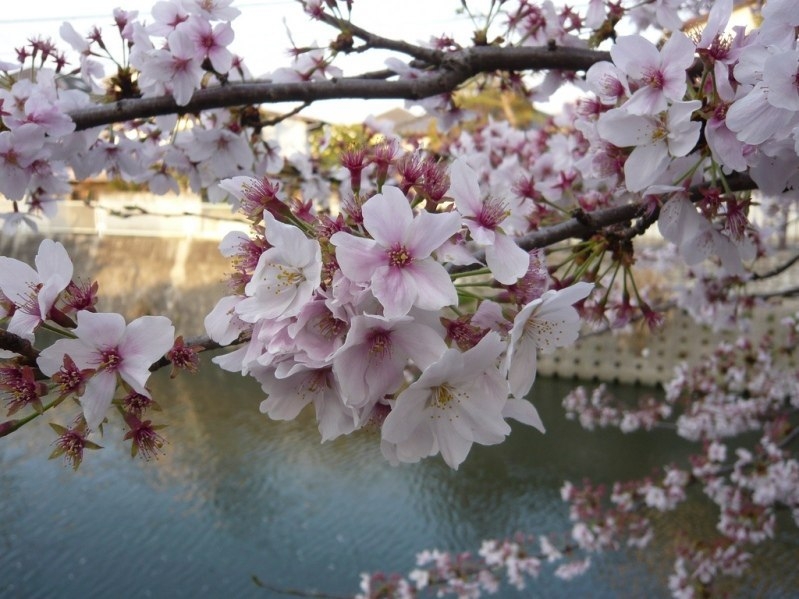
pixel 261 33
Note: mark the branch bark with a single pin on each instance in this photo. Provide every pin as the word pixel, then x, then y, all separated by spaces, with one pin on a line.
pixel 456 68
pixel 18 345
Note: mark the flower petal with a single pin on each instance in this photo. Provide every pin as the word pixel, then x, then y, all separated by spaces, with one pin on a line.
pixel 387 216
pixel 433 285
pixel 97 397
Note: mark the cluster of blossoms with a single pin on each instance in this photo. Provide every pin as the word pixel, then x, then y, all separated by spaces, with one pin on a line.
pixel 739 388
pixel 516 560
pixel 99 355
pixel 359 315
pixel 635 139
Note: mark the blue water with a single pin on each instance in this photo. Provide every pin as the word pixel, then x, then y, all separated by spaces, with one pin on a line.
pixel 238 496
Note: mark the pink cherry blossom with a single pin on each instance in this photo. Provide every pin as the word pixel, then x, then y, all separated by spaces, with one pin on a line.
pixel 660 75
pixel 18 151
pixel 696 238
pixel 176 69
pixel 223 151
pixel 781 78
pixel 211 43
pixel 223 324
pixel 167 15
pixel 397 261
pixel 483 217
pixel 106 344
pixel 34 292
pixel 655 140
pixel 213 10
pixel 545 323
pixel 286 276
pixel 455 402
pixel 288 396
pixel 371 362
pixel 608 82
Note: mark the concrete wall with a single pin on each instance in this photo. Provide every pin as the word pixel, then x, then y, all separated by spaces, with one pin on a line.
pixel 179 277
pixel 143 214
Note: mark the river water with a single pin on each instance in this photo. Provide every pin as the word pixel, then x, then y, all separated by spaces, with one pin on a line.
pixel 238 496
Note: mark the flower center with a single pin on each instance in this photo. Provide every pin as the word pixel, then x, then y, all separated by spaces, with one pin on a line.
pixel 443 397
pixel 654 78
pixel 660 133
pixel 110 360
pixel 493 212
pixel 399 256
pixel 611 86
pixel 545 333
pixel 380 344
pixel 330 327
pixel 317 381
pixel 288 277
pixel 29 304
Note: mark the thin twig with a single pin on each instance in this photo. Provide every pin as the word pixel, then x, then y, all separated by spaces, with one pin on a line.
pixel 778 270
pixel 279 119
pixel 296 592
pixel 373 40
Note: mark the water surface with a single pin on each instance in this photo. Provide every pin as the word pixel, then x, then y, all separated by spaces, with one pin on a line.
pixel 237 495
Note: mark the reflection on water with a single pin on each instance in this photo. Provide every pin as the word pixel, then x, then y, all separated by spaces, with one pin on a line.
pixel 238 495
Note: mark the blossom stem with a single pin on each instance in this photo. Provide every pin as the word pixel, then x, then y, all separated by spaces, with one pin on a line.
pixel 6 428
pixel 628 273
pixel 470 273
pixel 58 330
pixel 689 173
pixel 463 293
pixel 462 285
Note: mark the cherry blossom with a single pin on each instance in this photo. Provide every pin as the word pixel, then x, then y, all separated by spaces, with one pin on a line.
pixel 113 349
pixel 397 261
pixel 483 217
pixel 659 75
pixel 288 396
pixel 286 274
pixel 34 292
pixel 381 313
pixel 371 362
pixel 177 69
pixel 212 42
pixel 545 323
pixel 654 139
pixel 457 401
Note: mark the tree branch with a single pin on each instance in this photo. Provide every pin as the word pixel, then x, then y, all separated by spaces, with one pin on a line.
pixel 456 68
pixel 18 345
pixel 427 55
pixel 778 270
pixel 202 342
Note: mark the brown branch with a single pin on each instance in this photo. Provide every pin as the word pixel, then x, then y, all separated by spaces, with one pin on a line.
pixel 577 228
pixel 782 293
pixel 18 345
pixel 287 115
pixel 586 224
pixel 456 68
pixel 135 210
pixel 372 40
pixel 295 592
pixel 778 270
